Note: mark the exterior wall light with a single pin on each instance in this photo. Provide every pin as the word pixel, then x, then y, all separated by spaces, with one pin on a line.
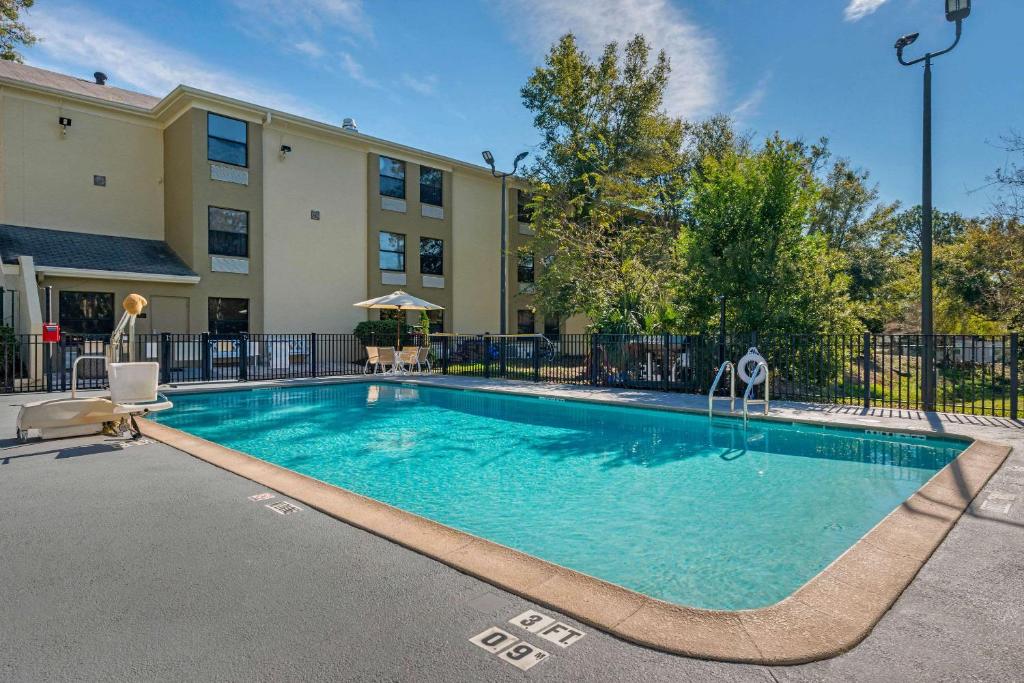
pixel 65 123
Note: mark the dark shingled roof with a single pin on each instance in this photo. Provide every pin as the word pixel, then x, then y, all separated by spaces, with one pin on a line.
pixel 66 249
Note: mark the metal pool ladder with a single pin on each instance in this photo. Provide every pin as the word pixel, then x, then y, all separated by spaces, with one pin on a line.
pixel 747 401
pixel 732 387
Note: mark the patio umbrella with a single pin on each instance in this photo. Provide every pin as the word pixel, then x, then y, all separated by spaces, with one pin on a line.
pixel 399 301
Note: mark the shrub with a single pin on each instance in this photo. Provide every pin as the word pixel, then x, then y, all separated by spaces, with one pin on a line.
pixel 379 332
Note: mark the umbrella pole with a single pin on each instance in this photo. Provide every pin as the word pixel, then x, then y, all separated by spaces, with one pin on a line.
pixel 398 331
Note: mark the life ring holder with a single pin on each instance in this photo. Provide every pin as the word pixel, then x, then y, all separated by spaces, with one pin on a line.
pixel 751 360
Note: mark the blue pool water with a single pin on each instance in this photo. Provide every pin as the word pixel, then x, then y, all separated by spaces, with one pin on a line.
pixel 696 512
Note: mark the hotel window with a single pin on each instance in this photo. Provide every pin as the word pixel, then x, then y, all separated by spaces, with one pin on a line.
pixel 227 140
pixel 525 320
pixel 552 326
pixel 392 178
pixel 431 256
pixel 228 232
pixel 392 251
pixel 431 186
pixel 523 212
pixel 525 270
pixel 228 316
pixel 86 312
pixel 436 321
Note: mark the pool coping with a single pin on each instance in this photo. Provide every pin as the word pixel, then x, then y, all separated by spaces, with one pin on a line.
pixel 830 614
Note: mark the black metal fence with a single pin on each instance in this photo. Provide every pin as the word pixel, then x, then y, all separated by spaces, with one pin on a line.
pixel 973 374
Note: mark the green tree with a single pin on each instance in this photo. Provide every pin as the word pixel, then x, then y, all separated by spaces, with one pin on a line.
pixel 749 241
pixel 14 32
pixel 607 193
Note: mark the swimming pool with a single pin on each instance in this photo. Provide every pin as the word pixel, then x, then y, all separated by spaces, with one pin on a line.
pixel 691 511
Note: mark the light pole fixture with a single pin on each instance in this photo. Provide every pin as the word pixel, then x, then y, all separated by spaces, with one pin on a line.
pixel 956 11
pixel 489 160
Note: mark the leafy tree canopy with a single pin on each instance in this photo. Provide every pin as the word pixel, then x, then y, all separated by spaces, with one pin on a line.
pixel 13 32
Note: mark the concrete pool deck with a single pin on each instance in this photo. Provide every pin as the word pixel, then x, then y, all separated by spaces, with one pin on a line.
pixel 144 563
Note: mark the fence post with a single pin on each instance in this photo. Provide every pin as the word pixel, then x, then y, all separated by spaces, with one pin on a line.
pixel 664 361
pixel 487 358
pixel 312 354
pixel 867 370
pixel 47 361
pixel 536 359
pixel 593 358
pixel 445 354
pixel 1014 371
pixel 207 359
pixel 243 357
pixel 165 357
pixel 61 363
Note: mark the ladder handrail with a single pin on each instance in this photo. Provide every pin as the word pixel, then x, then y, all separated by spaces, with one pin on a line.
pixel 732 386
pixel 750 388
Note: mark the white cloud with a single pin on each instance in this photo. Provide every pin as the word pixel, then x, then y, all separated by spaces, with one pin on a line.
pixel 694 86
pixel 858 9
pixel 81 41
pixel 424 85
pixel 356 71
pixel 299 19
pixel 751 104
pixel 310 49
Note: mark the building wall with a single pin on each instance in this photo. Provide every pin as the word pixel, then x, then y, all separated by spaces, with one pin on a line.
pixel 476 207
pixel 46 178
pixel 314 269
pixel 191 191
pixel 152 291
pixel 413 224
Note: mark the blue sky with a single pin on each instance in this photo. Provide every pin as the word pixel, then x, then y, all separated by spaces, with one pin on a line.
pixel 445 75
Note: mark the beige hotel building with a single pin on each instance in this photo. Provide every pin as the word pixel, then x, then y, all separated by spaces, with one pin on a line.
pixel 232 217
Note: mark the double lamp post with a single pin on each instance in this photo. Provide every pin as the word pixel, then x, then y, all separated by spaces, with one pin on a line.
pixel 956 11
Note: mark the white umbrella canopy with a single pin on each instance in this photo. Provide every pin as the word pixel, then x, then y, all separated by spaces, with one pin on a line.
pixel 399 301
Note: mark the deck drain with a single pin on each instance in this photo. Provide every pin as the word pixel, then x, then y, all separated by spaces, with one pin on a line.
pixel 283 507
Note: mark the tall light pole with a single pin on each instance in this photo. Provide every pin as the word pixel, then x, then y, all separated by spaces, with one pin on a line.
pixel 489 160
pixel 956 11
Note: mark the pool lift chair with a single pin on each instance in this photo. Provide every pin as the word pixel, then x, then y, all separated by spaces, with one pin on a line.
pixel 759 375
pixel 133 392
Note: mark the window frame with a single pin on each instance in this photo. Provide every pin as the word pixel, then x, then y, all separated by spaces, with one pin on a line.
pixel 210 321
pixel 440 257
pixel 440 186
pixel 532 269
pixel 381 175
pixel 381 251
pixel 209 230
pixel 64 319
pixel 229 141
pixel 522 200
pixel 519 321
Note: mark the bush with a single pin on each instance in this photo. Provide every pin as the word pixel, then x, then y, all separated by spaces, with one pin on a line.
pixel 379 332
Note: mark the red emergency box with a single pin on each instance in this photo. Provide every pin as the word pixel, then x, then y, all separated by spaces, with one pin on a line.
pixel 51 333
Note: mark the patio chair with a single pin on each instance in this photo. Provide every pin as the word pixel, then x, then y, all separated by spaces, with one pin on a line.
pixel 423 358
pixel 405 359
pixel 372 359
pixel 386 358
